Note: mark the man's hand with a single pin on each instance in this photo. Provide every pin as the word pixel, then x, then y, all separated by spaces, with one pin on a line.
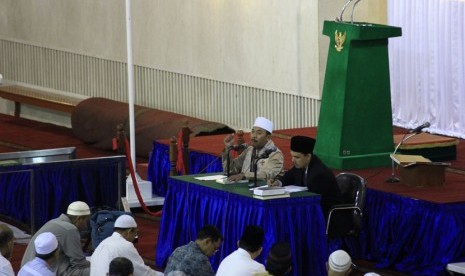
pixel 274 183
pixel 236 177
pixel 228 141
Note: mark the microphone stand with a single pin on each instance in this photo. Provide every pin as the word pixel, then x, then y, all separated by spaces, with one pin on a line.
pixel 339 19
pixel 393 178
pixel 352 15
pixel 228 162
pixel 255 167
pixel 254 184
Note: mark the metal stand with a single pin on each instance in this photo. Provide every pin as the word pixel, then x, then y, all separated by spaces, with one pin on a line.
pixel 393 178
pixel 228 162
pixel 254 184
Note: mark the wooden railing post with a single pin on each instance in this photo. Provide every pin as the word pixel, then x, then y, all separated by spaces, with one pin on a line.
pixel 186 132
pixel 173 156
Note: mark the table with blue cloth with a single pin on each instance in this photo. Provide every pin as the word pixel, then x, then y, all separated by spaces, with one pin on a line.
pixel 414 236
pixel 190 204
pixel 159 166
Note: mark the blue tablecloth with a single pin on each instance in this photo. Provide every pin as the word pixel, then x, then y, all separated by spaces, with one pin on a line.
pixel 190 204
pixel 36 193
pixel 414 236
pixel 159 166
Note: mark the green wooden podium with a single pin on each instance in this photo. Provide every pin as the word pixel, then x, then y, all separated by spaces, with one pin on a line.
pixel 355 123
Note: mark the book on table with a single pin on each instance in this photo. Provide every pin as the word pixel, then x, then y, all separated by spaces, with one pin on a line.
pixel 268 191
pixel 271 196
pixel 406 160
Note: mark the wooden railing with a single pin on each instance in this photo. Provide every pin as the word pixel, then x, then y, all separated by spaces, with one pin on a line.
pixel 30 96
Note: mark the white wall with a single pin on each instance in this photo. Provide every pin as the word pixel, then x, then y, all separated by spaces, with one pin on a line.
pixel 270 44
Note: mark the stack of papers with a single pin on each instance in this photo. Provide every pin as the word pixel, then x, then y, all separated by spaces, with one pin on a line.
pixel 210 177
pixel 295 189
pixel 267 192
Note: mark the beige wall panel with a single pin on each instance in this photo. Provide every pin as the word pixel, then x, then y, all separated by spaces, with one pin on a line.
pixel 271 44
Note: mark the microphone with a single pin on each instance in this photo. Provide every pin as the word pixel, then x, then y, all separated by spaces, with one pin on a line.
pixel 418 129
pixel 267 153
pixel 239 147
pixel 410 134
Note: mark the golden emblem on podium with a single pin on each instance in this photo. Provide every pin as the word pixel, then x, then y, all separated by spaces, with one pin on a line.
pixel 340 38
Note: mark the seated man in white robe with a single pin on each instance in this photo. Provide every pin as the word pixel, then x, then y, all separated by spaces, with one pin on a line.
pixel 242 261
pixel 119 244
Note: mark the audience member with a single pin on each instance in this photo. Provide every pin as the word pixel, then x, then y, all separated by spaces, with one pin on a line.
pixel 121 266
pixel 71 259
pixel 270 158
pixel 309 170
pixel 46 247
pixel 242 261
pixel 339 263
pixel 193 258
pixel 279 261
pixel 6 250
pixel 119 244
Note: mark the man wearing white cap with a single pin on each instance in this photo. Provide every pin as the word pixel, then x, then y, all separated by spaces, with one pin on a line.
pixel 339 263
pixel 119 244
pixel 263 153
pixel 71 259
pixel 46 245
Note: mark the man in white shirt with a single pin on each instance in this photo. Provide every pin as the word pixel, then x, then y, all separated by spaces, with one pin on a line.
pixel 6 250
pixel 241 262
pixel 46 246
pixel 119 244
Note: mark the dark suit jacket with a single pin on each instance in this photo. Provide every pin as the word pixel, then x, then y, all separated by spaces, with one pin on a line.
pixel 320 180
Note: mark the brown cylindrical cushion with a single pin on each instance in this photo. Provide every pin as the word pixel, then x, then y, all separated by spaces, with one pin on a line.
pixel 94 121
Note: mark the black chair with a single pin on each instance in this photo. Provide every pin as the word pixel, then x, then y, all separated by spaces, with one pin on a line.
pixel 346 219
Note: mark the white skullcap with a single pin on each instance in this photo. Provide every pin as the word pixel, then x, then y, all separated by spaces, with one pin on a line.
pixel 371 274
pixel 78 208
pixel 339 261
pixel 45 243
pixel 264 123
pixel 125 221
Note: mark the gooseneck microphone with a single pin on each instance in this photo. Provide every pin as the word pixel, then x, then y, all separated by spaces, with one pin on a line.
pixel 339 19
pixel 410 134
pixel 418 129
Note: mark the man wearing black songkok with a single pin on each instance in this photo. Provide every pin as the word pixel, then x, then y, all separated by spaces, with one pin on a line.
pixel 309 170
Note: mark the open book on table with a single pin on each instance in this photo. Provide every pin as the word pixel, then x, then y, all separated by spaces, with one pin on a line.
pixel 406 160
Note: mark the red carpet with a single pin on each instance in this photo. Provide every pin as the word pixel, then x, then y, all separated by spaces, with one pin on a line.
pixel 22 134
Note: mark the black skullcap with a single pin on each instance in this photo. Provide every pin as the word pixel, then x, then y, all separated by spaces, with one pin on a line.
pixel 302 144
pixel 279 259
pixel 121 266
pixel 252 238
